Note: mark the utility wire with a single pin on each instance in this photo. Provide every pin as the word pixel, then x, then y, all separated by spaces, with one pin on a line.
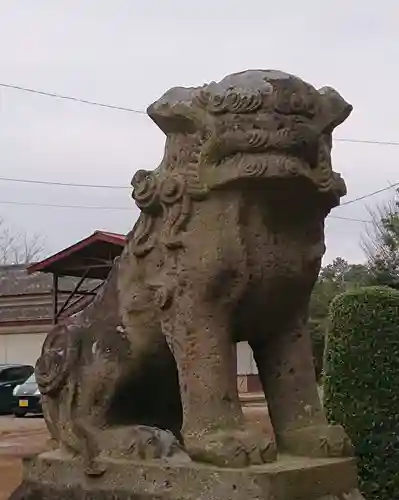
pixel 131 110
pixel 55 205
pixel 369 194
pixel 66 184
pixel 70 98
pixel 88 207
pixel 108 186
pixel 365 141
pixel 350 219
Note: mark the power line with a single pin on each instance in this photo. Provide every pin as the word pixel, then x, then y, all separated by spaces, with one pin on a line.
pixel 131 110
pixel 369 194
pixel 365 141
pixel 71 98
pixel 88 207
pixel 55 205
pixel 350 219
pixel 66 184
pixel 110 186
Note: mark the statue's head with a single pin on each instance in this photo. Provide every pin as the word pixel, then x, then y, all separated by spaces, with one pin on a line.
pixel 258 123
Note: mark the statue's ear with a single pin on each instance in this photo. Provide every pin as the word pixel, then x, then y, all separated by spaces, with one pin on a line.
pixel 335 110
pixel 173 112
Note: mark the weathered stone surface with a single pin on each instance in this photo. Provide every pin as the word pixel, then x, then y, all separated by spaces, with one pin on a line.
pixel 53 476
pixel 94 399
pixel 227 247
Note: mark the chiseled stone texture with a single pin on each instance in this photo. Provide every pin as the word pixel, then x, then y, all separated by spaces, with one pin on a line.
pixel 52 476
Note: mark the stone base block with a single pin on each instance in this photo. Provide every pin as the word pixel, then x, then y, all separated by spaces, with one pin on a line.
pixel 53 476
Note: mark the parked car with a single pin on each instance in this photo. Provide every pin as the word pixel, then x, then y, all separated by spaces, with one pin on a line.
pixel 10 377
pixel 27 398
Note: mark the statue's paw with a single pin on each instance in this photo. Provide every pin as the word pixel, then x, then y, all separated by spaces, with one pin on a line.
pixel 231 447
pixel 94 468
pixel 153 443
pixel 141 442
pixel 317 441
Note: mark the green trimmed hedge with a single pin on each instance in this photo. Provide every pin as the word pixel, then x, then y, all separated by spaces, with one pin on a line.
pixel 318 333
pixel 361 383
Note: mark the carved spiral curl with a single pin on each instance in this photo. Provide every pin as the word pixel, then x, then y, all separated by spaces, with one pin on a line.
pixel 53 366
pixel 323 174
pixel 244 103
pixel 255 167
pixel 253 140
pixel 230 101
pixel 144 189
pixel 258 138
pixel 291 166
pixel 303 101
pixel 171 190
pixel 143 236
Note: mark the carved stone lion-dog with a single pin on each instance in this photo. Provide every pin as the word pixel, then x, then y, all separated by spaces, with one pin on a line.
pixel 227 248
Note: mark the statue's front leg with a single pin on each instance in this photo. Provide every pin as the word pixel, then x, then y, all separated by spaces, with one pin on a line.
pixel 197 331
pixel 286 370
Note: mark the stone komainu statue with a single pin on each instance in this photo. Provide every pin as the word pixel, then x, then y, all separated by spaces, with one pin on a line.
pixel 227 248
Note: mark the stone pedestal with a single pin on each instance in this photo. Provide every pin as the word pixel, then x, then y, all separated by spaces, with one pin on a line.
pixel 53 476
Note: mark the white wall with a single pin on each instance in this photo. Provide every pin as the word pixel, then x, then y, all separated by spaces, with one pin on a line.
pixel 245 360
pixel 25 348
pixel 21 348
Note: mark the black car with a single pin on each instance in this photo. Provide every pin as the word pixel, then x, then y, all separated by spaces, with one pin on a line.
pixel 10 377
pixel 27 398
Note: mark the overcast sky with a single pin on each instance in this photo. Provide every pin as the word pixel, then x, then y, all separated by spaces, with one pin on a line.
pixel 128 52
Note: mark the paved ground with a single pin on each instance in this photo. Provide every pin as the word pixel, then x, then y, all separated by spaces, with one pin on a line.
pixel 21 437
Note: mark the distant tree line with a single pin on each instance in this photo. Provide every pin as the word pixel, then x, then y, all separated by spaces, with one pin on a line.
pixel 381 268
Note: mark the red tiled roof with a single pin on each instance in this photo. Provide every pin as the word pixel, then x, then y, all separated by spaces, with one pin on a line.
pixel 115 236
pixel 101 246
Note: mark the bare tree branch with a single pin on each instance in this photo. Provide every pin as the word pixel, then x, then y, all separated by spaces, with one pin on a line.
pixel 374 241
pixel 381 245
pixel 19 247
